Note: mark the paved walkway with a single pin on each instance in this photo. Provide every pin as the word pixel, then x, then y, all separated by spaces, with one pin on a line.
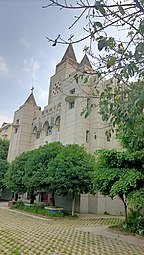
pixel 22 234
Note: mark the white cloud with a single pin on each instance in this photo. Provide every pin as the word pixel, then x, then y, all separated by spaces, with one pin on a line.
pixel 41 53
pixel 5 118
pixel 42 95
pixel 25 43
pixel 3 66
pixel 31 66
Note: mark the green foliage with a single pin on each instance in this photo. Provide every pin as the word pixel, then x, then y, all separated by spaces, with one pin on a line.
pixel 121 159
pixel 70 170
pixel 121 60
pixel 36 177
pixel 3 169
pixel 123 108
pixel 129 180
pixel 121 174
pixel 14 176
pixel 4 145
pixel 29 171
pixel 36 209
pixel 132 135
pixel 19 205
pixel 135 223
pixel 136 199
pixel 102 19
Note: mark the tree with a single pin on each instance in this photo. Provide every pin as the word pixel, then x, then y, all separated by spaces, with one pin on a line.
pixel 69 172
pixel 119 60
pixel 14 176
pixel 123 111
pixel 36 178
pixel 3 169
pixel 136 199
pixel 4 145
pixel 115 175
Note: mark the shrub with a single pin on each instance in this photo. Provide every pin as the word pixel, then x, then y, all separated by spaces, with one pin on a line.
pixel 135 223
pixel 19 205
pixel 36 209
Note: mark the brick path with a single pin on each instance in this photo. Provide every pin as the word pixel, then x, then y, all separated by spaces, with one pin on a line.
pixel 22 234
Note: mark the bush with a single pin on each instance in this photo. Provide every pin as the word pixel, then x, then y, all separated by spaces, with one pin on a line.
pixel 19 205
pixel 135 223
pixel 36 209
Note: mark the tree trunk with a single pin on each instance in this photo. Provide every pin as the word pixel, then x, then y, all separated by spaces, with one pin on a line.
pixel 126 212
pixel 73 204
pixel 41 197
pixel 16 197
pixel 52 199
pixel 32 198
pixel 124 200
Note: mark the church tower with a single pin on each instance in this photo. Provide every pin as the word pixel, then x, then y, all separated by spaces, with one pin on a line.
pixel 22 127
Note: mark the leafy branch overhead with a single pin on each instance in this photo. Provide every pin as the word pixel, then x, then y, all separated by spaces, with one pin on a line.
pixel 114 34
pixel 122 58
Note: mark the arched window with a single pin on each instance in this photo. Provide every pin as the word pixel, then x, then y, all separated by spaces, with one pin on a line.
pixel 45 127
pixel 57 123
pixel 36 132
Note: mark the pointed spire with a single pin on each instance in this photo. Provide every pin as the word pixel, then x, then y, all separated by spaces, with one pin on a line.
pixel 69 54
pixel 85 61
pixel 31 99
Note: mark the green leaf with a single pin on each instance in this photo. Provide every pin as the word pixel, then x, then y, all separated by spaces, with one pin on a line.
pixel 98 24
pixel 111 61
pixel 101 44
pixel 141 27
pixel 102 10
pixel 121 10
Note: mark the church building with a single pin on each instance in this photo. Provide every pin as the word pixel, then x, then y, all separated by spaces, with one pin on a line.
pixel 71 89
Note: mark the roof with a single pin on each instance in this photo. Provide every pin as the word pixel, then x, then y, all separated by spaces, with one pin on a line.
pixel 30 100
pixel 85 61
pixel 69 54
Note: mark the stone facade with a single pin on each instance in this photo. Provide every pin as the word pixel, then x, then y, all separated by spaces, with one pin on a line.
pixel 61 119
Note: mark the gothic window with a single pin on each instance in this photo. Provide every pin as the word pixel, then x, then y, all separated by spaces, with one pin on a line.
pixel 57 123
pixel 36 133
pixel 16 130
pixel 71 104
pixel 45 127
pixel 49 130
pixel 35 130
pixel 87 136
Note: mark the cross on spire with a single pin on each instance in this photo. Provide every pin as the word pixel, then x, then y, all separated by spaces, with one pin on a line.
pixel 86 48
pixel 32 89
pixel 70 38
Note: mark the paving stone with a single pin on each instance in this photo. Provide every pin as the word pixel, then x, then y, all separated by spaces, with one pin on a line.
pixel 22 234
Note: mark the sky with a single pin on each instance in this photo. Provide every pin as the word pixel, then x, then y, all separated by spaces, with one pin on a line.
pixel 26 57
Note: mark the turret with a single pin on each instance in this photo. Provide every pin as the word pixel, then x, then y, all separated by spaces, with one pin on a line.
pixel 22 127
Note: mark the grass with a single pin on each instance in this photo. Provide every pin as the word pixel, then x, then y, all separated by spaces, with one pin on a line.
pixel 40 210
pixel 119 228
pixel 36 209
